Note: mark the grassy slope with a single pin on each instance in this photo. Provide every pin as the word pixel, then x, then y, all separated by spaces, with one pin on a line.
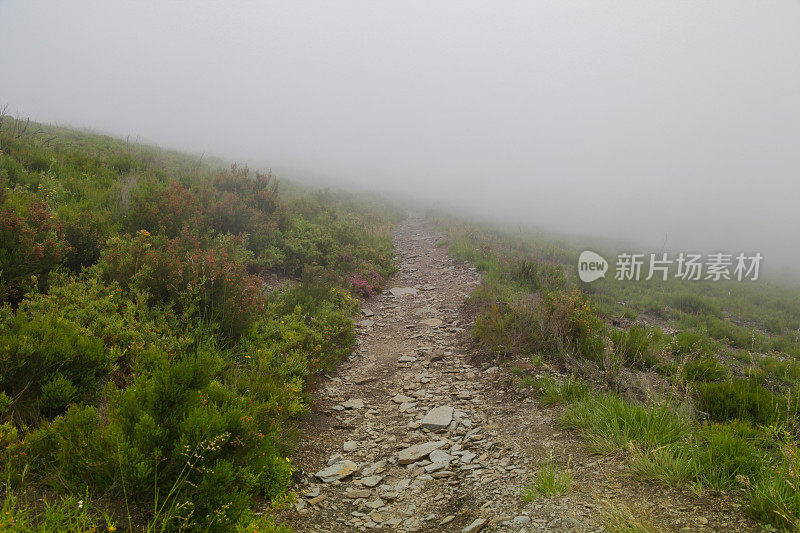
pixel 698 385
pixel 146 366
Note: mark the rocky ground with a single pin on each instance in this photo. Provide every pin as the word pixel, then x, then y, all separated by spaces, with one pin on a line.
pixel 411 435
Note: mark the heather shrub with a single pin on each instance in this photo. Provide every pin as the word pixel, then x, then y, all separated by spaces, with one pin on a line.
pixel 161 208
pixel 209 282
pixel 177 433
pixel 47 362
pixel 85 231
pixel 128 327
pixel 31 243
pixel 573 317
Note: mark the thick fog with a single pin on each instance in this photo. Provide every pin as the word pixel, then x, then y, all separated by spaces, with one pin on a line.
pixel 675 124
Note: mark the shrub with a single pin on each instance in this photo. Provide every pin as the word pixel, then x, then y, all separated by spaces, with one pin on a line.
pixel 85 231
pixel 203 449
pixel 573 317
pixel 161 208
pixel 31 243
pixel 46 362
pixel 367 282
pixel 211 283
pixel 127 327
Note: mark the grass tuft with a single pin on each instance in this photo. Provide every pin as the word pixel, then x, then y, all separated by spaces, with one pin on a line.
pixel 550 481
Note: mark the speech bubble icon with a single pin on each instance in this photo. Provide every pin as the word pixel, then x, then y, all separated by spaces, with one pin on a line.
pixel 591 266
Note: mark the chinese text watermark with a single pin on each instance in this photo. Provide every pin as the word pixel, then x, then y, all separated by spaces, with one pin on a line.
pixel 685 266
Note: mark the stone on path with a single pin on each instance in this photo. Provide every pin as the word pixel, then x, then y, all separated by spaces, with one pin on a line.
pixel 367 323
pixel 371 481
pixel 313 492
pixel 355 403
pixel 338 470
pixel 432 322
pixel 412 454
pixel 402 398
pixel 475 526
pixel 350 446
pixel 403 291
pixel 438 418
pixel 357 493
pixel 368 312
pixel 439 456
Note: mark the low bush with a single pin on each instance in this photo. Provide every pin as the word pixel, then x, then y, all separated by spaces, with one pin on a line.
pixel 207 281
pixel 32 243
pixel 177 438
pixel 47 363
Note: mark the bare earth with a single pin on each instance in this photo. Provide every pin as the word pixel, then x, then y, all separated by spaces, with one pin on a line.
pixel 413 356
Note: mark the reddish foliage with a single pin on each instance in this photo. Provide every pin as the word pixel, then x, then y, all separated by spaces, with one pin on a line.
pixel 186 272
pixel 31 243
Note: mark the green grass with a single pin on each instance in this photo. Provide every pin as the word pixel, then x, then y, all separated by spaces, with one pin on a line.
pixel 730 371
pixel 621 519
pixel 550 481
pixel 610 422
pixel 551 392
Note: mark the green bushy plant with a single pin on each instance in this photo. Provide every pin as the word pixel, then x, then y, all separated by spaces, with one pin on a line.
pixel 31 243
pixel 47 362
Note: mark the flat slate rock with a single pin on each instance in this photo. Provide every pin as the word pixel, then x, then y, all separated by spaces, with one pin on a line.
pixel 432 322
pixel 475 526
pixel 438 418
pixel 355 403
pixel 403 291
pixel 402 398
pixel 412 454
pixel 338 470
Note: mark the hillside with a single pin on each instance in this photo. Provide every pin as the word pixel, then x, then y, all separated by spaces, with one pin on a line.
pixel 160 320
pixel 188 345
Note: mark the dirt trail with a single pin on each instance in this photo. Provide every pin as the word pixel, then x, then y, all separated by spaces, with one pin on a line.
pixel 414 356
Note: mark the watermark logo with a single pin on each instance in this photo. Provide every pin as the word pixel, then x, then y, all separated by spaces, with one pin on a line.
pixel 684 266
pixel 591 266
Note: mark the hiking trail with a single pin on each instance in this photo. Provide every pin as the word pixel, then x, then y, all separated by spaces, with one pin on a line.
pixel 410 435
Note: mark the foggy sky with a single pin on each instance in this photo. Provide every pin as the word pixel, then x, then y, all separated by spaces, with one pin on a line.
pixel 667 122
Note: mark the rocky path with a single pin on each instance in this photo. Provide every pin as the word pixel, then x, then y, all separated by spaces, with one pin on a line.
pixel 410 436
